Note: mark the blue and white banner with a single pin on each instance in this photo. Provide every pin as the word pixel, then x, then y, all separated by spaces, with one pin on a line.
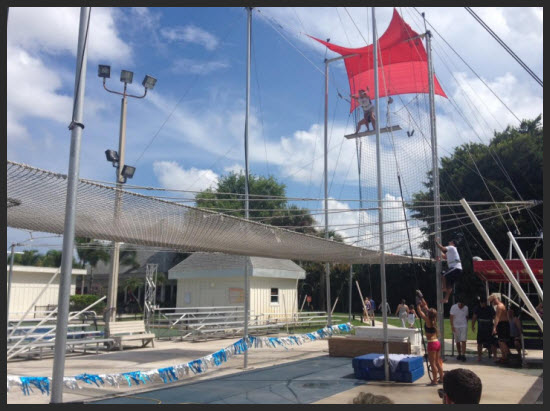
pixel 175 372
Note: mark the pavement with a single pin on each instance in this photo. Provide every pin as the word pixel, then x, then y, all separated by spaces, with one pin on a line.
pixel 301 374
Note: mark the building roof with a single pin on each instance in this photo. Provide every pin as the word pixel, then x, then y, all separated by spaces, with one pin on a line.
pixel 43 270
pixel 208 265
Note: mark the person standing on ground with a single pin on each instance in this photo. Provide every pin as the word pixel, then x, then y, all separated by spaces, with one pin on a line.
pixel 484 315
pixel 371 309
pixel 516 330
pixel 388 309
pixel 501 326
pixel 459 325
pixel 454 272
pixel 366 310
pixel 411 319
pixel 402 312
pixel 429 315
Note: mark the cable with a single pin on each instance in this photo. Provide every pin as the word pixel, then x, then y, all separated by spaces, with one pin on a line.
pixel 504 45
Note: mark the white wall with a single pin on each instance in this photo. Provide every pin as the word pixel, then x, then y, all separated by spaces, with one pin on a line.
pixel 27 285
pixel 214 292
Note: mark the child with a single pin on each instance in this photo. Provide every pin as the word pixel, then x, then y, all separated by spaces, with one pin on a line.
pixel 411 318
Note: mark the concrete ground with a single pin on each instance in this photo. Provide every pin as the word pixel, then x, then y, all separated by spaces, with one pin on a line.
pixel 302 374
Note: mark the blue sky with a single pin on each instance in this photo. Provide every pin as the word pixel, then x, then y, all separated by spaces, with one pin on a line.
pixel 198 56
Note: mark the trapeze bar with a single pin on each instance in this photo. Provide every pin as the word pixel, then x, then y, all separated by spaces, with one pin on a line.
pixel 373 132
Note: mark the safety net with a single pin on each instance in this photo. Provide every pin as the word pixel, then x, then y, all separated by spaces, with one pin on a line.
pixel 36 201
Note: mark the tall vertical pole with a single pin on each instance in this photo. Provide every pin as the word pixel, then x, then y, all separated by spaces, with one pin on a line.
pixel 10 276
pixel 327 267
pixel 380 204
pixel 437 204
pixel 70 212
pixel 349 291
pixel 246 172
pixel 115 263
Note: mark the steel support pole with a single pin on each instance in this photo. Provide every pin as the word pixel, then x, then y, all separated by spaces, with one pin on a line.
pixel 503 264
pixel 380 204
pixel 327 266
pixel 10 276
pixel 437 202
pixel 70 212
pixel 112 292
pixel 246 187
pixel 350 289
pixel 526 264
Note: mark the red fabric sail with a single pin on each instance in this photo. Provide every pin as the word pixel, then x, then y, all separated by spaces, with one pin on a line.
pixel 402 63
pixel 490 270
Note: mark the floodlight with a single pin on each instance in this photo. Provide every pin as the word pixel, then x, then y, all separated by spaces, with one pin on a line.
pixel 104 71
pixel 126 76
pixel 149 82
pixel 128 171
pixel 112 156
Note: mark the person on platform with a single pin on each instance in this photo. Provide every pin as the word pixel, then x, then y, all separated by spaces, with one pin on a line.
pixel 454 271
pixel 501 327
pixel 368 110
pixel 484 316
pixel 429 315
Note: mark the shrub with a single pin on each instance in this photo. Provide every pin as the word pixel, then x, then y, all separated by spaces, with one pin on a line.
pixel 80 301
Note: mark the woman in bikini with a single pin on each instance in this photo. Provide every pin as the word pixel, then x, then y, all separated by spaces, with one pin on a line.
pixel 429 315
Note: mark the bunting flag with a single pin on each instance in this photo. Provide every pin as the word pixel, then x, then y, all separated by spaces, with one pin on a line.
pixel 402 63
pixel 178 371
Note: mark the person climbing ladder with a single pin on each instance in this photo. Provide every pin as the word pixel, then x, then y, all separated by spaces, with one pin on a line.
pixel 454 271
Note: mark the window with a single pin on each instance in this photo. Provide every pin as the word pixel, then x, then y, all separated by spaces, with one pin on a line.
pixel 275 296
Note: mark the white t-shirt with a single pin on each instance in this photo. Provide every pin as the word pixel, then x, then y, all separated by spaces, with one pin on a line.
pixel 453 259
pixel 366 103
pixel 460 316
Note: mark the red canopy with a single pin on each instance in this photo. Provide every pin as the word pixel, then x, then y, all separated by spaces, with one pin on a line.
pixel 491 270
pixel 402 62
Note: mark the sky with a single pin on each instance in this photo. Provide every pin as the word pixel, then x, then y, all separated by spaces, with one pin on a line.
pixel 188 131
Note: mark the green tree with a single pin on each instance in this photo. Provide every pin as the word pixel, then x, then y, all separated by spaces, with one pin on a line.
pixel 513 160
pixel 91 252
pixel 130 285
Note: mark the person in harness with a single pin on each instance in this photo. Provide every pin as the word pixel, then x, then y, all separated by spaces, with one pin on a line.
pixel 368 110
pixel 454 271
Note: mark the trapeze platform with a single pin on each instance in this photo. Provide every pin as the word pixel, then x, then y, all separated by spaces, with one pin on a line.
pixel 373 132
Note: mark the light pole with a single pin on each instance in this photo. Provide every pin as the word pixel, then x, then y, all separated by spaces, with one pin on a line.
pixel 123 172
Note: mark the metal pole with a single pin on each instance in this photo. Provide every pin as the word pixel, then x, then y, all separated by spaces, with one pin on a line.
pixel 70 212
pixel 10 276
pixel 112 292
pixel 327 266
pixel 437 206
pixel 380 208
pixel 525 264
pixel 246 173
pixel 503 264
pixel 349 291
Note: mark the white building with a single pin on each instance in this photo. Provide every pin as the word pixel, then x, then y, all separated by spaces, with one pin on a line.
pixel 28 282
pixel 213 280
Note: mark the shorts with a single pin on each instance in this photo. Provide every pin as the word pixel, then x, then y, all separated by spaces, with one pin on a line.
pixel 503 331
pixel 461 334
pixel 368 116
pixel 485 334
pixel 434 346
pixel 452 275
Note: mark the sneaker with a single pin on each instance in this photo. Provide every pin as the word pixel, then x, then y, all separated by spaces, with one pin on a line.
pixel 419 294
pixel 459 357
pixel 463 358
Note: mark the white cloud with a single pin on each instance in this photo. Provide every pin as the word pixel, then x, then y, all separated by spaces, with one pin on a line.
pixel 182 66
pixel 171 175
pixel 26 29
pixel 235 169
pixel 191 34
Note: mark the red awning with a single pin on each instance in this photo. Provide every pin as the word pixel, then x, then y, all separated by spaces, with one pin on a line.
pixel 402 61
pixel 491 270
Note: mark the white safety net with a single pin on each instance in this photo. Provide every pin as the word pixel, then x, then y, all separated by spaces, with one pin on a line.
pixel 36 201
